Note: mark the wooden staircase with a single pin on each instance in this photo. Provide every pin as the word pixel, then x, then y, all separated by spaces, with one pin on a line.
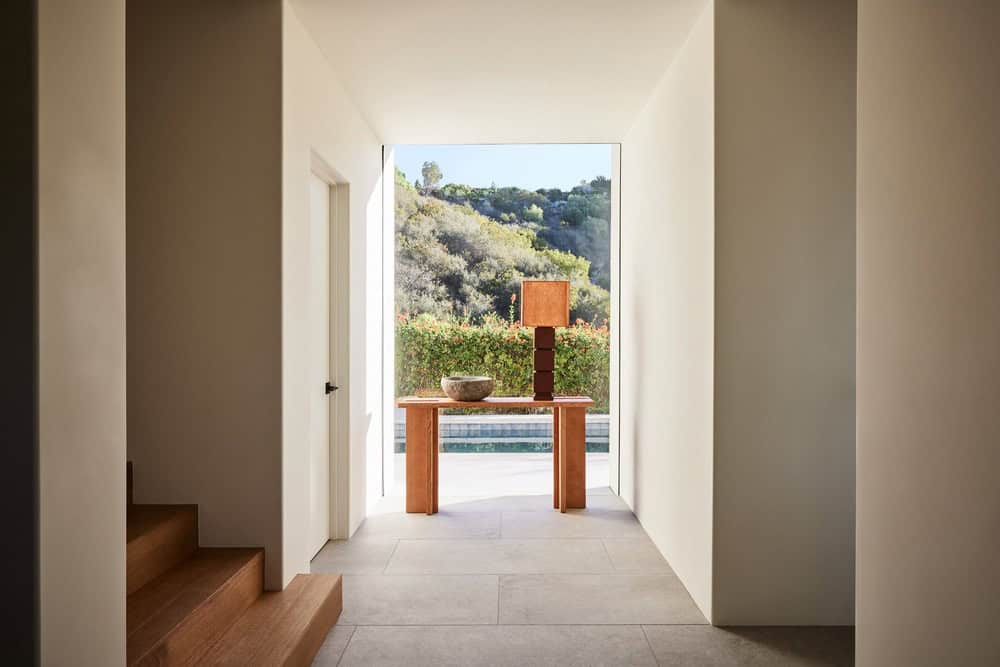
pixel 190 605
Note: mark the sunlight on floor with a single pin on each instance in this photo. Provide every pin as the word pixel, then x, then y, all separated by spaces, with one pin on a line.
pixel 500 474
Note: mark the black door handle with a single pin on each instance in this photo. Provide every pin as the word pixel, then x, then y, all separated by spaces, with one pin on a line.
pixel 330 387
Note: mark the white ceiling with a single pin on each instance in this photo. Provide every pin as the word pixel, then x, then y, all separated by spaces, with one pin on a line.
pixel 499 71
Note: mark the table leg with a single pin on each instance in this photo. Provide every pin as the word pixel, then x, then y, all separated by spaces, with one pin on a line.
pixel 562 461
pixel 421 459
pixel 555 458
pixel 572 458
pixel 435 467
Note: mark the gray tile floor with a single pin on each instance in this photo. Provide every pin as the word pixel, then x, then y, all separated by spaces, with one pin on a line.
pixel 510 581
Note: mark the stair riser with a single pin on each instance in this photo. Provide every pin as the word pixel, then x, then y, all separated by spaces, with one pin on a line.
pixel 166 545
pixel 284 628
pixel 320 625
pixel 198 631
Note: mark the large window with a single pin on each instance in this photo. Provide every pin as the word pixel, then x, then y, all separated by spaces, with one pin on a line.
pixel 472 222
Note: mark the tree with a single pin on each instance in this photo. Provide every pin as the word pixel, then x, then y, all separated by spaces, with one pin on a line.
pixel 534 213
pixel 432 175
pixel 601 184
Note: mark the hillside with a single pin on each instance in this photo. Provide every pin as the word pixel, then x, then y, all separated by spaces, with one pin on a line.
pixel 462 252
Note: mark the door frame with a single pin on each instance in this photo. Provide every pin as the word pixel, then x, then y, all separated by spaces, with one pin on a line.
pixel 614 409
pixel 388 314
pixel 339 373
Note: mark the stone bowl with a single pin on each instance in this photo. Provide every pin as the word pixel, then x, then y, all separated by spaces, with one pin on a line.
pixel 467 387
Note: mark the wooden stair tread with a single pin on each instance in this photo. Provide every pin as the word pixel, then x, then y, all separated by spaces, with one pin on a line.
pixel 204 572
pixel 141 519
pixel 158 537
pixel 180 614
pixel 283 628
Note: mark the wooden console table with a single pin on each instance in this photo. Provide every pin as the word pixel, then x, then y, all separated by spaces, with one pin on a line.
pixel 569 470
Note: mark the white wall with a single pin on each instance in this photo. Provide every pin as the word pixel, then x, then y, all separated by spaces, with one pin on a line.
pixel 563 71
pixel 81 226
pixel 738 313
pixel 784 312
pixel 928 452
pixel 319 118
pixel 204 265
pixel 667 234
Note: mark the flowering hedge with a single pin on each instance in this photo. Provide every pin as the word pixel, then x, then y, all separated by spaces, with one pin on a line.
pixel 428 349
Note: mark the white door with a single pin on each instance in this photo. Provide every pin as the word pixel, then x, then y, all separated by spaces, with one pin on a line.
pixel 319 363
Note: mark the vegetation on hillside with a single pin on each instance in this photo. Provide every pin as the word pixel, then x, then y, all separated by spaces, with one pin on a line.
pixel 462 252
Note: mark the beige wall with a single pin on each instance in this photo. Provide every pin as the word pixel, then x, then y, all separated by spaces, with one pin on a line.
pixel 204 265
pixel 929 326
pixel 81 179
pixel 667 214
pixel 784 304
pixel 319 120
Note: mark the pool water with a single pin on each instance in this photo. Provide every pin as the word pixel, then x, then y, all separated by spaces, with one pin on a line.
pixel 503 445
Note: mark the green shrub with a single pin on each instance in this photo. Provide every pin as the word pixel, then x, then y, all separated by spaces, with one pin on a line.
pixel 428 348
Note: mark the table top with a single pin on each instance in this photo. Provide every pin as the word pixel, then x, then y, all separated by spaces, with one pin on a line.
pixel 496 402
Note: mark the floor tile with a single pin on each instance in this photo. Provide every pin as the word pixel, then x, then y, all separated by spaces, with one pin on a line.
pixel 593 523
pixel 499 503
pixel 333 646
pixel 707 646
pixel 498 556
pixel 443 525
pixel 389 504
pixel 354 556
pixel 606 501
pixel 419 600
pixel 499 645
pixel 639 556
pixel 530 503
pixel 595 599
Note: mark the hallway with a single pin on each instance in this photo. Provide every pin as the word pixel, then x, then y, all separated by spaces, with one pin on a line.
pixel 509 581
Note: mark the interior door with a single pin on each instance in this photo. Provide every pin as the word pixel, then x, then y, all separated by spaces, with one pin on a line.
pixel 319 364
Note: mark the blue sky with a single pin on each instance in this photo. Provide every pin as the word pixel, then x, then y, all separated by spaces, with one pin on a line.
pixel 529 166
